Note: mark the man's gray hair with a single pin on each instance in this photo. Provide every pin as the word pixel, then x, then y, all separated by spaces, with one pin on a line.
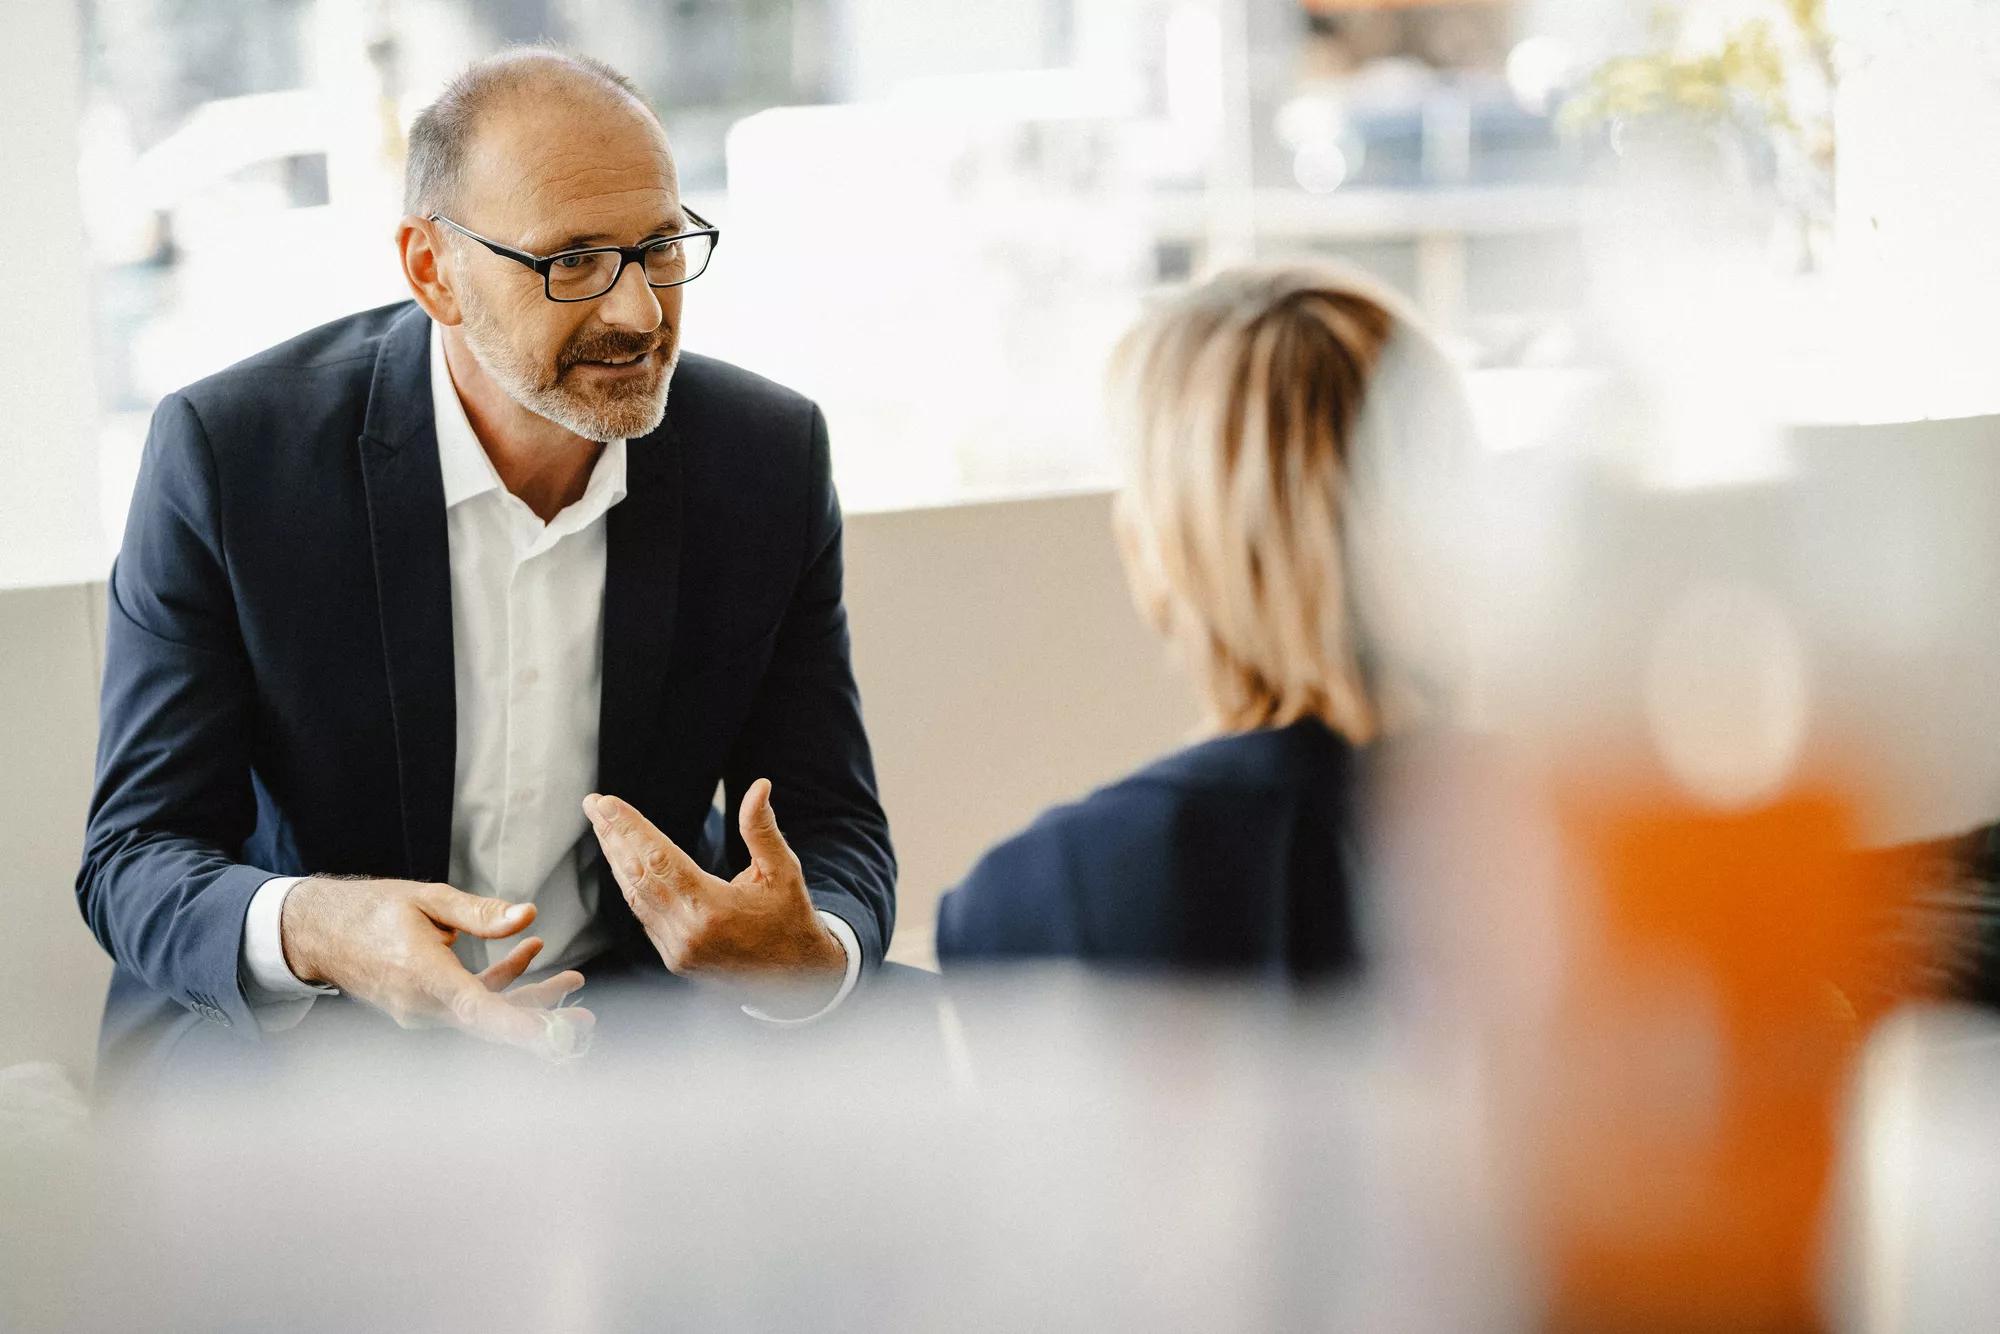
pixel 442 134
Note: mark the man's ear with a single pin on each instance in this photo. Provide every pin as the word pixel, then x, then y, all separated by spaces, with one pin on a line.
pixel 426 267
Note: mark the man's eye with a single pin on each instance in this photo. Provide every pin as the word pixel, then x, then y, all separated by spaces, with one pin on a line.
pixel 572 261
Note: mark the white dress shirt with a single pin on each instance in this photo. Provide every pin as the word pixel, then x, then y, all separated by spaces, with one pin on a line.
pixel 527 622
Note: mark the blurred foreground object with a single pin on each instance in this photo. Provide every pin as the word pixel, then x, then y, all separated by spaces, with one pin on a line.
pixel 1054 1151
pixel 1048 1153
pixel 1701 1049
pixel 1921 1188
pixel 1668 996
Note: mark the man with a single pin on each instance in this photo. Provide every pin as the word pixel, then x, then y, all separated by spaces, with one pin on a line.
pixel 400 598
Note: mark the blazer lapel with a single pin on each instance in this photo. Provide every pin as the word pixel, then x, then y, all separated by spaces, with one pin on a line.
pixel 412 555
pixel 641 582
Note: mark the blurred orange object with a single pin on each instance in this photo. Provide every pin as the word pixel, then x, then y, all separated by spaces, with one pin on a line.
pixel 1724 969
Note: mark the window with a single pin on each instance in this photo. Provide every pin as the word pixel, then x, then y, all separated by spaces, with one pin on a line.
pixel 1030 169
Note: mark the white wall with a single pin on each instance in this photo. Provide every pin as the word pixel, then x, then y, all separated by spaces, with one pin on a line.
pixel 1002 668
pixel 52 975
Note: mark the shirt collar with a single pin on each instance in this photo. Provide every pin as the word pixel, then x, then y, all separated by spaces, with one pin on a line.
pixel 469 473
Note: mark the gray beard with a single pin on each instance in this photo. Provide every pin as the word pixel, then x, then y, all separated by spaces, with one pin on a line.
pixel 619 419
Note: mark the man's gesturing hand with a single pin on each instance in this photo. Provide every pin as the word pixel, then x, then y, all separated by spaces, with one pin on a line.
pixel 388 942
pixel 760 924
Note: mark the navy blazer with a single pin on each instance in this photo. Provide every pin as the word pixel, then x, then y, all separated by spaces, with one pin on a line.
pixel 1234 855
pixel 278 681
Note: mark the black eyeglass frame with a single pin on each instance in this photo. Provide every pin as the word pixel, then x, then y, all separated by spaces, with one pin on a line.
pixel 627 254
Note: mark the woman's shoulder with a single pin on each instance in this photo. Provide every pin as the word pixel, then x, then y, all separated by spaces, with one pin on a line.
pixel 1265 760
pixel 1031 884
pixel 1219 770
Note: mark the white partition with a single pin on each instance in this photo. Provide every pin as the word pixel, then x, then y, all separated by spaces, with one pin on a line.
pixel 53 975
pixel 1002 668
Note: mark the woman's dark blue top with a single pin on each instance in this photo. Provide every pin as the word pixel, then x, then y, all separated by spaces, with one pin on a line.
pixel 1234 855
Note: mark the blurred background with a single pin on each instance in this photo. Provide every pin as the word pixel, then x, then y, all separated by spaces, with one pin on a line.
pixel 989 195
pixel 1720 273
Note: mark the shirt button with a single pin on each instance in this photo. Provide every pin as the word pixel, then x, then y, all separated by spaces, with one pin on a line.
pixel 524 794
pixel 530 676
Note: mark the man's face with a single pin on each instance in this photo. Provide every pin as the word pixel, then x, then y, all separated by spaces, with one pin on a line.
pixel 546 178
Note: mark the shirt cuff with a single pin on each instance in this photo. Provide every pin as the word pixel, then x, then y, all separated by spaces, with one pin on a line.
pixel 276 996
pixel 850 943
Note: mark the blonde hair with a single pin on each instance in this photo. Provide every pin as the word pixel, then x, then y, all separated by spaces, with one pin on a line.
pixel 1250 536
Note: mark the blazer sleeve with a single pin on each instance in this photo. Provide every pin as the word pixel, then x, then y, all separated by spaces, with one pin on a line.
pixel 159 885
pixel 804 732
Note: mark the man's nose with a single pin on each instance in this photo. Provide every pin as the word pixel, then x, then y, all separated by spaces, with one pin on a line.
pixel 630 304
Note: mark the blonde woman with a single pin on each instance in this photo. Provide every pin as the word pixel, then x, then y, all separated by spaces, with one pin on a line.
pixel 1295 443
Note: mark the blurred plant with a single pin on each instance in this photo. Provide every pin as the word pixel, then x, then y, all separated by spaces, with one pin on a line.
pixel 1764 83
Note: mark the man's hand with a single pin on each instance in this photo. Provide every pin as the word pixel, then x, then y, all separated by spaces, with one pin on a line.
pixel 388 942
pixel 759 927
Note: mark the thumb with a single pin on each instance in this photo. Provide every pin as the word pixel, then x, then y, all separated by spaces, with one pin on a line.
pixel 758 824
pixel 489 919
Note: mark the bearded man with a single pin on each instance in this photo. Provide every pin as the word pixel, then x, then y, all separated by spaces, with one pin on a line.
pixel 419 613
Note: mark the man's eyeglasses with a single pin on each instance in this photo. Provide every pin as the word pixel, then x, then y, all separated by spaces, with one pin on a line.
pixel 585 275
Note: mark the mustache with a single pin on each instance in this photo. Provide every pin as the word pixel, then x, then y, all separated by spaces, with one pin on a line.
pixel 612 345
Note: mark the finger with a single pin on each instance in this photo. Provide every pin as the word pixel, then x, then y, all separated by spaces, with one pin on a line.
pixel 758 824
pixel 638 852
pixel 547 993
pixel 466 1005
pixel 500 976
pixel 489 919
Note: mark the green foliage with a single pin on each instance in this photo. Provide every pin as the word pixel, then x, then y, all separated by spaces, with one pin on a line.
pixel 1754 80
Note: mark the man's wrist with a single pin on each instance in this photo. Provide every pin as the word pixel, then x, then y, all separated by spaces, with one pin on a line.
pixel 292 935
pixel 850 949
pixel 299 930
pixel 267 973
pixel 827 954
